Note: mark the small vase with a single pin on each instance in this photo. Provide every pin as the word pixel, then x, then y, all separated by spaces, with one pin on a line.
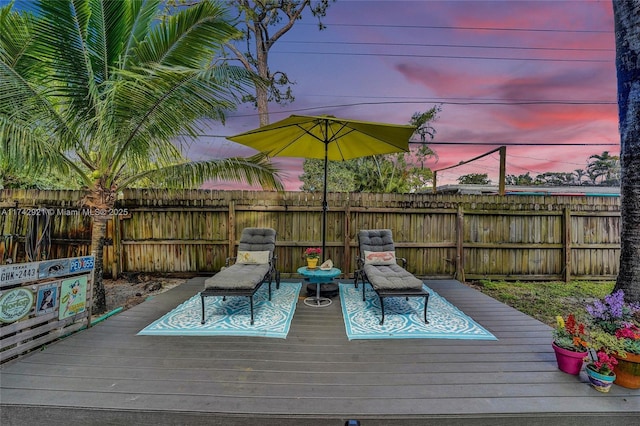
pixel 628 371
pixel 312 263
pixel 569 361
pixel 600 382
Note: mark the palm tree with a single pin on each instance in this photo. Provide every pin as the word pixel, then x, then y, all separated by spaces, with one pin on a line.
pixel 605 167
pixel 627 30
pixel 101 90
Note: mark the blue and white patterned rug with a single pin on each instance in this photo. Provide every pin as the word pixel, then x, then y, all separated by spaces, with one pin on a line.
pixel 403 319
pixel 232 317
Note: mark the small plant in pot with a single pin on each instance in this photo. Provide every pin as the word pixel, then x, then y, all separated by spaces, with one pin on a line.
pixel 570 344
pixel 600 370
pixel 312 254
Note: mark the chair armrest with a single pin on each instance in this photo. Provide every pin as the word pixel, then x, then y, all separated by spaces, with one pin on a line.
pixel 404 261
pixel 227 262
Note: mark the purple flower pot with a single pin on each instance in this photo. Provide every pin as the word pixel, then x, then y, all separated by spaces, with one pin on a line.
pixel 569 361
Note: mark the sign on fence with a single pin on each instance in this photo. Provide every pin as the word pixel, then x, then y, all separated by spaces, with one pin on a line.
pixel 26 272
pixel 73 296
pixel 19 273
pixel 47 298
pixel 15 304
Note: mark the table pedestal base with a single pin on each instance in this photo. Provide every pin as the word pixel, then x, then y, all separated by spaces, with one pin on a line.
pixel 317 302
pixel 326 290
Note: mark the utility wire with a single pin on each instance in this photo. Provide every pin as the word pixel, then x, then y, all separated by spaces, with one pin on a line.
pixel 447 27
pixel 457 46
pixel 491 58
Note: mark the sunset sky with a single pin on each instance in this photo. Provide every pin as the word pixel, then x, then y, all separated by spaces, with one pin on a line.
pixel 536 76
pixel 519 73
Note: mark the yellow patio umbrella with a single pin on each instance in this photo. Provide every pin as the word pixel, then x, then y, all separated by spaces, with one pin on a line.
pixel 329 138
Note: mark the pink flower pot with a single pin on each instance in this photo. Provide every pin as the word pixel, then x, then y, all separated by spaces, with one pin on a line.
pixel 569 361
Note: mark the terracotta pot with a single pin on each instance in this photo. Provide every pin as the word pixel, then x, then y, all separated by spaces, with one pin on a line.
pixel 600 382
pixel 569 361
pixel 628 371
pixel 312 263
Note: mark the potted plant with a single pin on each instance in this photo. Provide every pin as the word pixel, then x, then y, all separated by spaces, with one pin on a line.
pixel 600 370
pixel 569 344
pixel 614 327
pixel 312 254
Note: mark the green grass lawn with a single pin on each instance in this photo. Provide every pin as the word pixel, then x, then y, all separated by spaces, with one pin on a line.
pixel 545 300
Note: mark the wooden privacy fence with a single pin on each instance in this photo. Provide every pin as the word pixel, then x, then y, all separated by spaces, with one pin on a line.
pixel 462 236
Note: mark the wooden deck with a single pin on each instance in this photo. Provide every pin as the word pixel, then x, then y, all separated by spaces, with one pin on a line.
pixel 109 375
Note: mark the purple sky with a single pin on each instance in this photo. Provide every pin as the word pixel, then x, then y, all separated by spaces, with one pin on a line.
pixel 515 73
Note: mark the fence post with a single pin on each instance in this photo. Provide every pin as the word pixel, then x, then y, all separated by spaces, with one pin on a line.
pixel 566 225
pixel 232 227
pixel 346 258
pixel 459 275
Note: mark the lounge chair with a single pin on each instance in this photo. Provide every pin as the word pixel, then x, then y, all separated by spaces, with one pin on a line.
pixel 254 265
pixel 377 265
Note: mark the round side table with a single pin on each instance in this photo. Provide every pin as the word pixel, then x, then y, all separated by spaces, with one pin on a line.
pixel 318 277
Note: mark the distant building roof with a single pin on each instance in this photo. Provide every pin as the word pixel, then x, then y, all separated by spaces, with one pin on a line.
pixel 580 191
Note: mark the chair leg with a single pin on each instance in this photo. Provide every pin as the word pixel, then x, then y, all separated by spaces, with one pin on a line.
pixel 426 302
pixel 356 276
pixel 251 303
pixel 202 300
pixel 277 280
pixel 270 290
pixel 381 308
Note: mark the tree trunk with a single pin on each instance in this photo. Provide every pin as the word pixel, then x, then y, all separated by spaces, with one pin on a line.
pixel 627 31
pixel 262 66
pixel 98 234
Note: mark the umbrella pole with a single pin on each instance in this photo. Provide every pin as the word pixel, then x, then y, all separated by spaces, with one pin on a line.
pixel 324 203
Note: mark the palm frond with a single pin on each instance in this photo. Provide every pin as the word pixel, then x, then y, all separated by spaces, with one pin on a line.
pixel 188 39
pixel 142 15
pixel 255 170
pixel 164 102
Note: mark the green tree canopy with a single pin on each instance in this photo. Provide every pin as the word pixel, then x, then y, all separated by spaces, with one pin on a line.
pixel 397 173
pixel 604 169
pixel 523 179
pixel 100 90
pixel 474 179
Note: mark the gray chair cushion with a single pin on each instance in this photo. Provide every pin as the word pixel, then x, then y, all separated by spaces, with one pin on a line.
pixel 258 239
pixel 385 277
pixel 237 276
pixel 246 276
pixel 376 240
pixel 391 277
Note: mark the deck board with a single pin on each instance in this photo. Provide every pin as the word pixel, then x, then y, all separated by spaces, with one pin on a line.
pixel 109 374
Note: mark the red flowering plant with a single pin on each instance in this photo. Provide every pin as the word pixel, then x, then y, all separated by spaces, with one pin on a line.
pixel 312 252
pixel 570 334
pixel 601 362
